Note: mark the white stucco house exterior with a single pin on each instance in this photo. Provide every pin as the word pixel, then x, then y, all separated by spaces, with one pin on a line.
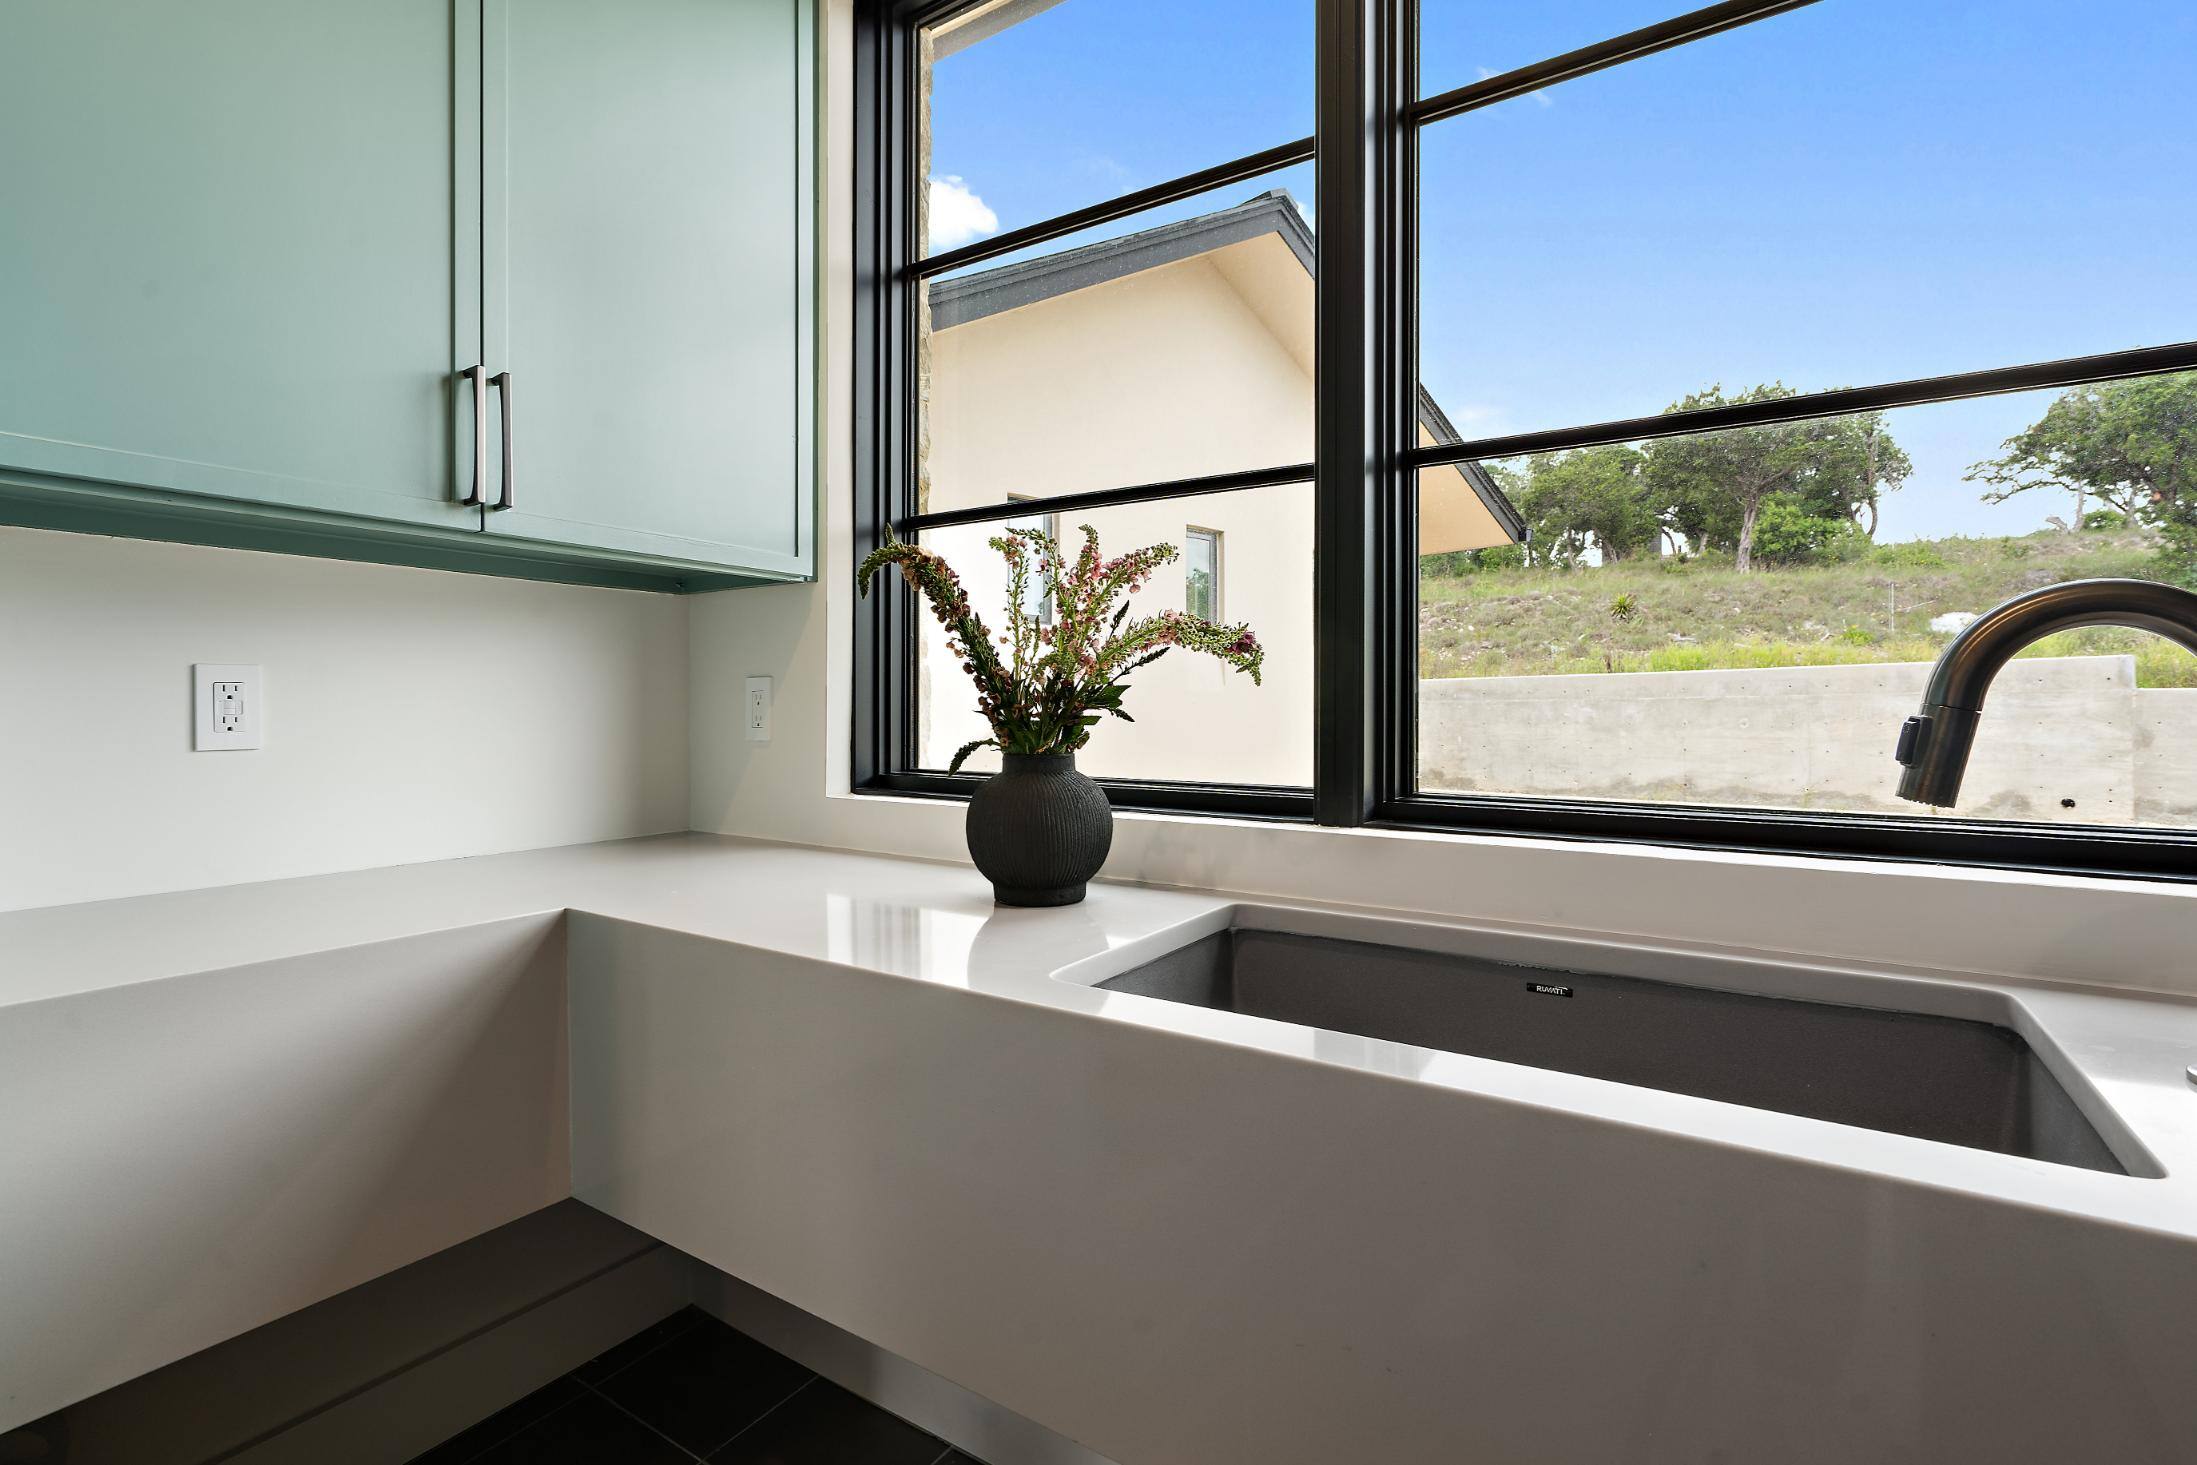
pixel 1176 352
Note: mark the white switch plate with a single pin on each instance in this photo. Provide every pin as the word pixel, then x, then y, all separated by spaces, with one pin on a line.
pixel 758 709
pixel 226 707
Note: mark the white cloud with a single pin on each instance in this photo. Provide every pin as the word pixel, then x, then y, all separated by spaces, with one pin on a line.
pixel 956 215
pixel 1112 173
pixel 1539 96
pixel 1486 419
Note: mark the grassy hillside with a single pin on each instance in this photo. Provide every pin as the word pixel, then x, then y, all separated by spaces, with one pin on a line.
pixel 1702 615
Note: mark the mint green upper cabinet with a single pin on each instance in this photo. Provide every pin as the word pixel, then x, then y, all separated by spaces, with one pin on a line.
pixel 230 250
pixel 649 246
pixel 248 248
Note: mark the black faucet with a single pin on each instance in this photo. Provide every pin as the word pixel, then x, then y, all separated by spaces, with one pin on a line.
pixel 1933 747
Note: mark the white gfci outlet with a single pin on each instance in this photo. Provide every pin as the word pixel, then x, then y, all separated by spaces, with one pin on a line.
pixel 226 712
pixel 758 709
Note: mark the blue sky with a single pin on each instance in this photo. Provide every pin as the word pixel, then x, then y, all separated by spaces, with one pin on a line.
pixel 1859 191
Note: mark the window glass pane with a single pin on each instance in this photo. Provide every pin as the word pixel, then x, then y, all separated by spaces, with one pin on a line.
pixel 1624 654
pixel 1201 573
pixel 1038 107
pixel 1172 345
pixel 1844 195
pixel 1464 41
pixel 1196 719
pixel 1037 597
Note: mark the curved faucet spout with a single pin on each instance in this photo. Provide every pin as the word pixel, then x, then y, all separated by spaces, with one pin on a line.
pixel 1934 746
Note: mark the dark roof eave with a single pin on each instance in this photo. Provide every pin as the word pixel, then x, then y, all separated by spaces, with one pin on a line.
pixel 1008 287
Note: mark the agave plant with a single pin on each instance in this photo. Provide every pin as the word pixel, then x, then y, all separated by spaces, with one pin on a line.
pixel 1044 687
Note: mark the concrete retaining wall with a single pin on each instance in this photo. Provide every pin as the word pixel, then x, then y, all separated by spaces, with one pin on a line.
pixel 2065 739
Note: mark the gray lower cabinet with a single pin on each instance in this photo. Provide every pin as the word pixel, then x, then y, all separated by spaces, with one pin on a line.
pixel 250 248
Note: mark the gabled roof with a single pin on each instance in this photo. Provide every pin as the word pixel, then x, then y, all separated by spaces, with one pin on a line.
pixel 972 297
pixel 1009 287
pixel 988 21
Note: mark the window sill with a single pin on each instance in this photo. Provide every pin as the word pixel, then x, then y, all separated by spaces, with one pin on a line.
pixel 1996 921
pixel 2088 852
pixel 1129 796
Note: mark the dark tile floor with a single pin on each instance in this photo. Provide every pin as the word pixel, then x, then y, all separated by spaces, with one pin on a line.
pixel 690 1389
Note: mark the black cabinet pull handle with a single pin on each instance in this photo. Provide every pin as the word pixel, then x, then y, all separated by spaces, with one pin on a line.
pixel 477 375
pixel 502 381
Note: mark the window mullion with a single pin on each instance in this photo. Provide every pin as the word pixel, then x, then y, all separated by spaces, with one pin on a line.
pixel 1363 90
pixel 884 235
pixel 1396 498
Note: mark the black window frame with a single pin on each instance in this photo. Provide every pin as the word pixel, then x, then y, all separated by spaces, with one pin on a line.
pixel 1366 457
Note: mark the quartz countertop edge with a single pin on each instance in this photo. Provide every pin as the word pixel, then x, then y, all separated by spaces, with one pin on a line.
pixel 935 922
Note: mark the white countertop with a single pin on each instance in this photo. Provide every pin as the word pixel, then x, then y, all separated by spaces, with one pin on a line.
pixel 907 917
pixel 936 923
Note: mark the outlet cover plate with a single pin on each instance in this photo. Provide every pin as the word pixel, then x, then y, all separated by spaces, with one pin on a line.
pixel 227 711
pixel 755 709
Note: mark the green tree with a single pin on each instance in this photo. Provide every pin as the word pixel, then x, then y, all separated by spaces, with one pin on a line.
pixel 1859 463
pixel 1451 564
pixel 1821 474
pixel 1788 531
pixel 1594 496
pixel 1715 483
pixel 2177 558
pixel 2131 445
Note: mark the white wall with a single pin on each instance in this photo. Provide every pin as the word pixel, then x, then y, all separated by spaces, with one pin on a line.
pixel 1167 373
pixel 411 715
pixel 190 1158
pixel 1196 718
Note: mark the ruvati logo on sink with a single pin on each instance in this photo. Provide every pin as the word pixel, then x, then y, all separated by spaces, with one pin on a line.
pixel 1548 989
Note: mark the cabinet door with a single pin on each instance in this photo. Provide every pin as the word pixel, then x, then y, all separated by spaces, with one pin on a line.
pixel 650 280
pixel 228 261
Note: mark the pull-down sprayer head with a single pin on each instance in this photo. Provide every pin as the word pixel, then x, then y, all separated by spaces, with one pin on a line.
pixel 1934 745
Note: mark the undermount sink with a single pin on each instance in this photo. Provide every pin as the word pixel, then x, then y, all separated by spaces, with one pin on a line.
pixel 1956 1080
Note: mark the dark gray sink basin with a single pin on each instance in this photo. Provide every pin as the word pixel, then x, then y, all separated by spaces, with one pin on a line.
pixel 1950 1079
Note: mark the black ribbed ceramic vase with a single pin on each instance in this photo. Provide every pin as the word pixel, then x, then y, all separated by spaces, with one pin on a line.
pixel 1038 829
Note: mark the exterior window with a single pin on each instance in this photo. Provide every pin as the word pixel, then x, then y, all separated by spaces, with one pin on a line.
pixel 1742 617
pixel 1178 702
pixel 1102 377
pixel 1648 479
pixel 1202 573
pixel 1037 601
